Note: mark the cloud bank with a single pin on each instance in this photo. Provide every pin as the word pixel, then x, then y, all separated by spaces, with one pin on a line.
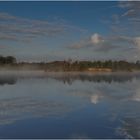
pixel 15 28
pixel 124 34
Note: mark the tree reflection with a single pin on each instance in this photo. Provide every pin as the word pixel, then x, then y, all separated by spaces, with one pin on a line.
pixel 8 80
pixel 69 78
pixel 119 78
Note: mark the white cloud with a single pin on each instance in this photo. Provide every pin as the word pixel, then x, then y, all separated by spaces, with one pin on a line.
pixel 96 38
pixel 129 12
pixel 137 41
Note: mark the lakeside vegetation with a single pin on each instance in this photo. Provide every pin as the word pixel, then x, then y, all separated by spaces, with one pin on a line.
pixel 10 62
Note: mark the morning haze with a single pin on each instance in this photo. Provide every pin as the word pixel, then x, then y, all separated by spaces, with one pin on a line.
pixel 69 70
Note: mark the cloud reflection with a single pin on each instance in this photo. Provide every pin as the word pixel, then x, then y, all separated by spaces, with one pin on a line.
pixel 15 109
pixel 130 128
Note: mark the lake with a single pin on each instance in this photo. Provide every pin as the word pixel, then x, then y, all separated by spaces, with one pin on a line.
pixel 69 105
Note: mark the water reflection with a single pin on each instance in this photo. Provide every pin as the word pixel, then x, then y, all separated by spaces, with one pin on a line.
pixel 116 77
pixel 8 80
pixel 15 109
pixel 130 128
pixel 68 78
pixel 105 103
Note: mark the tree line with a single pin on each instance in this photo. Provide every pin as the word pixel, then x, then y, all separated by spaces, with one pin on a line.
pixel 69 65
pixel 84 65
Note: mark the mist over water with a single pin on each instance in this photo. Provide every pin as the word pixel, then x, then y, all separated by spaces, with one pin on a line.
pixel 38 104
pixel 68 77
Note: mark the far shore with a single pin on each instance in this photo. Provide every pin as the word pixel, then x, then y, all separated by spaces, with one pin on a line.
pixel 30 69
pixel 42 72
pixel 10 63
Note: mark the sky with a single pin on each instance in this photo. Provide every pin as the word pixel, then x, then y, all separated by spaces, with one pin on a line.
pixel 77 30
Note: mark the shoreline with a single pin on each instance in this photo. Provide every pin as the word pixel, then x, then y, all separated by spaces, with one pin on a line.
pixel 16 71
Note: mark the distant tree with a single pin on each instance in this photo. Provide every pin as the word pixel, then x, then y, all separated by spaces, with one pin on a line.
pixel 7 60
pixel 10 59
pixel 2 60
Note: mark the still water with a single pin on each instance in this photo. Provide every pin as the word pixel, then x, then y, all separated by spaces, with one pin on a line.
pixel 70 105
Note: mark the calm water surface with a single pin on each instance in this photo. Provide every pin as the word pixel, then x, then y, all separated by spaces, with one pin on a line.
pixel 41 105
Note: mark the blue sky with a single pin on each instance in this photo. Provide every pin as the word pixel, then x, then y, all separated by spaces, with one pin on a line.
pixel 38 31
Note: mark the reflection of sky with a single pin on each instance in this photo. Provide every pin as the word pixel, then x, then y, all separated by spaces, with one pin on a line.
pixel 105 105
